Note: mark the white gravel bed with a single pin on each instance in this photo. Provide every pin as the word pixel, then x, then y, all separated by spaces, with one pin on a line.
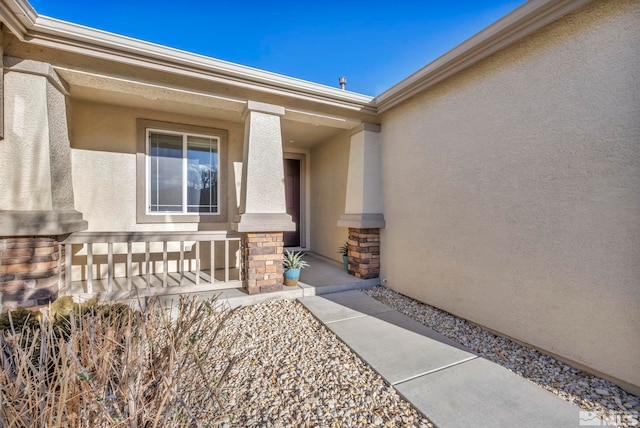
pixel 574 385
pixel 293 372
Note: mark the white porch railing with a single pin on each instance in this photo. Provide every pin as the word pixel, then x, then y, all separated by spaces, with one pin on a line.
pixel 117 265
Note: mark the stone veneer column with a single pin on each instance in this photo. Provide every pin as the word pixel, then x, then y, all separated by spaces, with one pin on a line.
pixel 262 258
pixel 364 252
pixel 363 206
pixel 263 213
pixel 31 271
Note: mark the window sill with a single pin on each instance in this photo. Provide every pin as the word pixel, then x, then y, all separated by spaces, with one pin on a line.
pixel 181 218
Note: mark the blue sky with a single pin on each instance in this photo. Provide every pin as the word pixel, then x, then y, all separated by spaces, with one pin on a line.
pixel 375 44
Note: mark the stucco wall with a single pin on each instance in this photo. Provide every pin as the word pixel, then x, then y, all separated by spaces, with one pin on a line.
pixel 103 141
pixel 25 170
pixel 329 168
pixel 512 191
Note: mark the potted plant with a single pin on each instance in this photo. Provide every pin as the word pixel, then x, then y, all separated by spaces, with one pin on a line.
pixel 293 262
pixel 344 250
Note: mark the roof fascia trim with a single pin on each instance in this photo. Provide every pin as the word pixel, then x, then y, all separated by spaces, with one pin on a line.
pixel 18 16
pixel 23 20
pixel 518 24
pixel 28 26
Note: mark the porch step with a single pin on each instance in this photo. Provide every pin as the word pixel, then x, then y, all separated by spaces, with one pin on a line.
pixel 234 297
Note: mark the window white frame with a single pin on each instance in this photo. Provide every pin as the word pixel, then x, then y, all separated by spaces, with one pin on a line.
pixel 143 173
pixel 184 161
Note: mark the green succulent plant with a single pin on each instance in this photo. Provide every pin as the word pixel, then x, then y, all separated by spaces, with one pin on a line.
pixel 344 250
pixel 293 260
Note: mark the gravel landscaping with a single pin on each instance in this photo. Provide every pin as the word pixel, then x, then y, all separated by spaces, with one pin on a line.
pixel 292 371
pixel 574 385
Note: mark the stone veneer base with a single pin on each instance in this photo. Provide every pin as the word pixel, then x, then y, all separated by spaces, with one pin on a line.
pixel 262 261
pixel 364 253
pixel 31 270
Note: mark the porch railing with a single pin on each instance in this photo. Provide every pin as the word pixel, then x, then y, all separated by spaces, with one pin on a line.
pixel 128 264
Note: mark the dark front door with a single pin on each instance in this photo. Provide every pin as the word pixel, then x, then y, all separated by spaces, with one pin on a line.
pixel 292 194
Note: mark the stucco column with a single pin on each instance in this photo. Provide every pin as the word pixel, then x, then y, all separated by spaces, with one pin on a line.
pixel 36 202
pixel 35 155
pixel 1 86
pixel 363 206
pixel 263 214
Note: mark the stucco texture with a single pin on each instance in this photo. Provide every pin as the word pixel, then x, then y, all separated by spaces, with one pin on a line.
pixel 264 171
pixel 512 191
pixel 24 151
pixel 329 169
pixel 103 141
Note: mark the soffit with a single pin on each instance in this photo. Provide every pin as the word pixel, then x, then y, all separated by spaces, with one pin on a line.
pixel 300 128
pixel 126 92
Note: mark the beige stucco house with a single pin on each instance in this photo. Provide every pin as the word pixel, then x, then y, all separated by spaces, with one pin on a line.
pixel 500 183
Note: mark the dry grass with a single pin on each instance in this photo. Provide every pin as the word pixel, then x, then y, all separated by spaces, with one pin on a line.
pixel 111 366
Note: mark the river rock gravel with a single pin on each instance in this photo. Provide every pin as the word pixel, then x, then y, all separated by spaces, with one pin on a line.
pixel 589 392
pixel 291 371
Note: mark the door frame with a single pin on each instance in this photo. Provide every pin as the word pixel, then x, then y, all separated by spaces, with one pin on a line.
pixel 303 157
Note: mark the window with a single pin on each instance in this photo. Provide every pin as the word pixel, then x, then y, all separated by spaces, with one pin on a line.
pixel 181 173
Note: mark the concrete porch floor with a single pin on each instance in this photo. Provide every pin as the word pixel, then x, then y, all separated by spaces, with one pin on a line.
pixel 323 276
pixel 328 276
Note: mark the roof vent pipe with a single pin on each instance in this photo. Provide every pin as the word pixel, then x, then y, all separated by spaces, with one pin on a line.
pixel 343 82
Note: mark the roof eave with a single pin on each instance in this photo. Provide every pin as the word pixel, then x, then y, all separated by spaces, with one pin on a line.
pixel 520 23
pixel 22 20
pixel 18 16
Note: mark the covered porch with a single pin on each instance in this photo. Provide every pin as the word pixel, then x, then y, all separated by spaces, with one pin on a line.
pixel 110 266
pixel 122 212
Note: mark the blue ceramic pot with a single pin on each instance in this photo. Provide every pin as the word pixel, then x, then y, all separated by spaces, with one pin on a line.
pixel 291 277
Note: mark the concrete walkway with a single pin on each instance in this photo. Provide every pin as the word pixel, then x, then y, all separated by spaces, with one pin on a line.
pixel 450 384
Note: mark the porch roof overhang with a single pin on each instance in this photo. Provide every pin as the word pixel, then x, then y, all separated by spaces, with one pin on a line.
pixel 103 67
pixel 28 26
pixel 302 126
